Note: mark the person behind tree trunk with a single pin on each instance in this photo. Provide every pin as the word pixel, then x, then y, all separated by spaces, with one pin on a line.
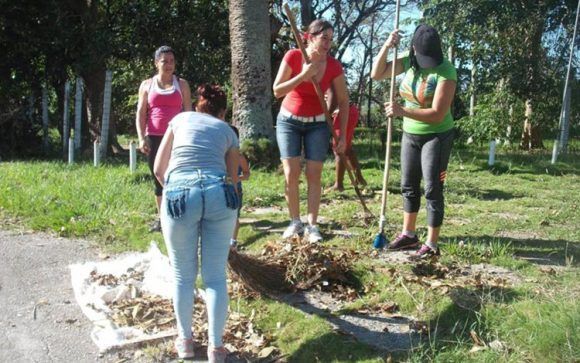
pixel 198 163
pixel 349 153
pixel 428 89
pixel 160 98
pixel 243 174
pixel 301 122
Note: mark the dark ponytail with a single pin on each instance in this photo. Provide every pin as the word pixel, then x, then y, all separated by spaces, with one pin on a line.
pixel 413 59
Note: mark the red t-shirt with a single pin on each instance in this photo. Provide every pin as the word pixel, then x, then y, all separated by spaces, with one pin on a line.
pixel 302 100
pixel 353 114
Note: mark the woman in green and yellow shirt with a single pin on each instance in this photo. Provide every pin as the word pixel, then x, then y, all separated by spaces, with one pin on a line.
pixel 428 89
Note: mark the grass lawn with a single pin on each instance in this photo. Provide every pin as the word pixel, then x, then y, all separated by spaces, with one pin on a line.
pixel 521 214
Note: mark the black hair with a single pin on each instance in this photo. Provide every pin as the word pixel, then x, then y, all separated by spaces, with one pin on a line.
pixel 164 49
pixel 412 58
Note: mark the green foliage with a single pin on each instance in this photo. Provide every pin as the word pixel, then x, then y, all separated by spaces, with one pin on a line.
pixel 491 121
pixel 261 153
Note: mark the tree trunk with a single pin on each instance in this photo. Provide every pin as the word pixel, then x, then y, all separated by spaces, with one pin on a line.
pixel 531 135
pixel 306 12
pixel 252 86
pixel 94 86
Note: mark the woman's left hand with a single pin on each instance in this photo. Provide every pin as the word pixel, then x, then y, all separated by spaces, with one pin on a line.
pixel 393 110
pixel 341 146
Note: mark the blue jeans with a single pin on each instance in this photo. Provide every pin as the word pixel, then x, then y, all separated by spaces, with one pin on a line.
pixel 292 135
pixel 193 211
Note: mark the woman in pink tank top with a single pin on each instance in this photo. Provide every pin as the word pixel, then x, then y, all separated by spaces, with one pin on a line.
pixel 160 99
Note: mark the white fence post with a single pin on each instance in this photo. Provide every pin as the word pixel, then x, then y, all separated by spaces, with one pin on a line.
pixel 132 157
pixel 44 118
pixel 65 121
pixel 71 151
pixel 78 113
pixel 96 153
pixel 491 159
pixel 106 113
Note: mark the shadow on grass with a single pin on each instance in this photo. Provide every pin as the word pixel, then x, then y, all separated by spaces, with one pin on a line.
pixel 476 192
pixel 453 325
pixel 140 178
pixel 534 250
pixel 262 228
pixel 332 347
pixel 350 331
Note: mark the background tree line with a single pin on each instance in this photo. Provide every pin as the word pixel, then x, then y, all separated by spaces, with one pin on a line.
pixel 511 58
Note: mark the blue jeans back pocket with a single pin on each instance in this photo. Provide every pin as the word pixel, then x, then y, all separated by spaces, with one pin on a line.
pixel 176 202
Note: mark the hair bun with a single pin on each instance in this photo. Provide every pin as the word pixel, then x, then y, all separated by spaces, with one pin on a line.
pixel 211 99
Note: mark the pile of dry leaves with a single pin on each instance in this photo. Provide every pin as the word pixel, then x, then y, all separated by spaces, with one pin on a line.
pixel 153 314
pixel 310 266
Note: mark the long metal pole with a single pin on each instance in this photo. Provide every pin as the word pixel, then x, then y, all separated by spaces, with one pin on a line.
pixel 561 144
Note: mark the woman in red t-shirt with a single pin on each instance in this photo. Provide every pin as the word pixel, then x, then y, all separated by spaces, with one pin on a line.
pixel 301 124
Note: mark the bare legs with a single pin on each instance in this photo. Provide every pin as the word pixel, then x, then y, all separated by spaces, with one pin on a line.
pixel 340 167
pixel 292 171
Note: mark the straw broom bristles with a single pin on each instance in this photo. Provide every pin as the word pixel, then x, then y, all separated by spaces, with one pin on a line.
pixel 261 276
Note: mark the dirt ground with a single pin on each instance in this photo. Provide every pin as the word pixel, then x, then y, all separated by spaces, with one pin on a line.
pixel 40 320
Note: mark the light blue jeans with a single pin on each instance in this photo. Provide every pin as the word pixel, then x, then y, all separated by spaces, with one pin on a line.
pixel 194 212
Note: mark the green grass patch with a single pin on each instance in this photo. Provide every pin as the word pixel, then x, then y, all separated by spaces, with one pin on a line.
pixel 521 214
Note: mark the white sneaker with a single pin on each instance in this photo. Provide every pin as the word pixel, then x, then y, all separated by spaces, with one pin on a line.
pixel 295 227
pixel 312 234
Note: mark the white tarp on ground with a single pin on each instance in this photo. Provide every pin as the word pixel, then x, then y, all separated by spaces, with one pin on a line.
pixel 93 297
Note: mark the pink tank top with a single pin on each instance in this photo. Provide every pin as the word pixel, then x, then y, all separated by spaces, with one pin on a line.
pixel 164 104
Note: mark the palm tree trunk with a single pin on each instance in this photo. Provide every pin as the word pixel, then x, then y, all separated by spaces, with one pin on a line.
pixel 251 69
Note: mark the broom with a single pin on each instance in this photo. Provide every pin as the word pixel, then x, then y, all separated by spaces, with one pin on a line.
pixel 349 167
pixel 266 278
pixel 381 240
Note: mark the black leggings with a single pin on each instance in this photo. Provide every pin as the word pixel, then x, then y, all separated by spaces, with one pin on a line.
pixel 154 142
pixel 425 156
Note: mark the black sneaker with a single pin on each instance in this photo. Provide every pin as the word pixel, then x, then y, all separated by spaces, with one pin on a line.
pixel 155 226
pixel 403 242
pixel 426 252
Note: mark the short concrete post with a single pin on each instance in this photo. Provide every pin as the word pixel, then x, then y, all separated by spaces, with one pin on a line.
pixel 132 157
pixel 555 152
pixel 96 154
pixel 71 150
pixel 491 160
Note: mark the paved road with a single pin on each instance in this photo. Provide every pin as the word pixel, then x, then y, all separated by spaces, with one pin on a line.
pixel 39 318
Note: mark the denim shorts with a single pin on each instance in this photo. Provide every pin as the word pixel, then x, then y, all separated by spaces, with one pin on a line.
pixel 292 135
